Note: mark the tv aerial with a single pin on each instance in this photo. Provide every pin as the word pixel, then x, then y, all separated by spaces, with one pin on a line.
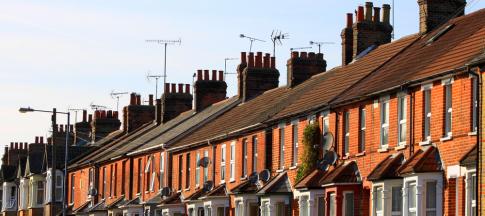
pixel 320 44
pixel 75 112
pixel 165 43
pixel 156 77
pixel 299 48
pixel 97 107
pixel 117 95
pixel 276 37
pixel 225 66
pixel 251 39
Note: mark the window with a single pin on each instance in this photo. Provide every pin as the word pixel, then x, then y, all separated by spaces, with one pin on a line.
pixel 448 109
pixel 162 170
pixel 362 129
pixel 123 176
pixel 206 168
pixel 104 182
pixel 187 171
pixel 412 198
pixel 348 203
pixel 255 154
pixel 471 191
pixel 181 171
pixel 325 130
pixel 40 192
pixel 140 176
pixel 148 172
pixel 244 172
pixel 115 177
pixel 401 114
pixel 474 104
pixel 197 169
pixel 378 201
pixel 321 206
pixel 396 205
pixel 59 184
pixel 282 147
pixel 112 174
pixel 294 136
pixel 431 198
pixel 427 114
pixel 346 132
pixel 232 162
pixel 332 208
pixel 223 163
pixel 73 189
pixel 384 122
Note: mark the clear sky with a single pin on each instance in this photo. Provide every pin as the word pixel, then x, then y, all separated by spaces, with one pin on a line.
pixel 69 54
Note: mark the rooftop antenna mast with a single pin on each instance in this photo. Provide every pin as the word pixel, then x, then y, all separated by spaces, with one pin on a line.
pixel 156 77
pixel 251 39
pixel 75 112
pixel 117 95
pixel 276 37
pixel 165 43
pixel 225 66
pixel 320 44
pixel 299 48
pixel 98 107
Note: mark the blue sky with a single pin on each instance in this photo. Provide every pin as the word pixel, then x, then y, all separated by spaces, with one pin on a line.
pixel 69 54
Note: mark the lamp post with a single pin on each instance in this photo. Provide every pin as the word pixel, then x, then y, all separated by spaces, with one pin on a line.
pixel 53 173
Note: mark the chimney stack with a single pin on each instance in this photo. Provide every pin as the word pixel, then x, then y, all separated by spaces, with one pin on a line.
pixel 302 66
pixel 136 115
pixel 102 125
pixel 433 13
pixel 174 103
pixel 208 92
pixel 257 76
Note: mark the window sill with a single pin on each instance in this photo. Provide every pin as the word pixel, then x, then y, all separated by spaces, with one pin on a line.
pixel 293 167
pixel 425 143
pixel 186 189
pixel 360 154
pixel 346 156
pixel 244 177
pixel 222 182
pixel 473 133
pixel 382 150
pixel 446 138
pixel 196 186
pixel 401 147
pixel 232 180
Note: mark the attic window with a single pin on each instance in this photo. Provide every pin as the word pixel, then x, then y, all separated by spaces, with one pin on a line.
pixel 439 34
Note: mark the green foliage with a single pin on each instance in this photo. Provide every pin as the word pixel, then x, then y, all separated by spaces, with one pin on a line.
pixel 310 154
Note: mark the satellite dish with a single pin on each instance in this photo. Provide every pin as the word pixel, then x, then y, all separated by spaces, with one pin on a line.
pixel 254 178
pixel 328 140
pixel 92 191
pixel 323 165
pixel 330 157
pixel 208 186
pixel 204 162
pixel 166 191
pixel 264 175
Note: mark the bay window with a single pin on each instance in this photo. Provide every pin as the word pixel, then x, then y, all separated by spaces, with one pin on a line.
pixel 471 193
pixel 140 175
pixel 412 199
pixel 332 205
pixel 58 189
pixel 73 188
pixel 396 202
pixel 384 116
pixel 378 201
pixel 104 182
pixel 181 172
pixel 348 203
pixel 40 193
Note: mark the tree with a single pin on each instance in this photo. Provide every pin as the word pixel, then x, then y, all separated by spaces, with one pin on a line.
pixel 310 154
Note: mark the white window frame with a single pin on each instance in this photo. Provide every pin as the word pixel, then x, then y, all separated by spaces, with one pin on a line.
pixel 362 126
pixel 395 213
pixel 58 186
pixel 197 169
pixel 435 210
pixel 104 183
pixel 346 147
pixel 376 188
pixel 325 128
pixel 223 163
pixel 162 170
pixel 420 180
pixel 402 118
pixel 281 140
pixel 254 142
pixel 344 202
pixel 294 125
pixel 206 169
pixel 448 121
pixel 244 170
pixel 415 208
pixel 188 168
pixel 384 121
pixel 332 203
pixel 73 188
pixel 232 162
pixel 427 112
pixel 470 203
pixel 474 127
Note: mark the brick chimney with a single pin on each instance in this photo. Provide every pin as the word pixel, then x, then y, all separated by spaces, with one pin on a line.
pixel 302 66
pixel 209 90
pixel 104 123
pixel 369 29
pixel 83 129
pixel 256 74
pixel 174 102
pixel 433 13
pixel 37 147
pixel 15 153
pixel 136 115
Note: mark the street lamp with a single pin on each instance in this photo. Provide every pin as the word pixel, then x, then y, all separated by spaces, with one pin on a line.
pixel 53 177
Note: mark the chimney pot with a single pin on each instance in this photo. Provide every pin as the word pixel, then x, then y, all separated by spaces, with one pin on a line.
pixel 377 14
pixel 16 145
pixel 259 60
pixel 174 88
pixel 158 112
pixel 90 117
pixel 71 128
pixel 266 60
pixel 167 88
pixel 36 139
pixel 187 88
pixel 295 54
pixel 11 145
pixel 138 99
pixel 61 128
pixel 132 99
pixel 199 74
pixel 206 74
pixel 251 60
pixel 103 113
pixel 41 140
pixel 243 58
pixel 303 55
pixel 368 11
pixel 150 99
pixel 214 75
pixel 66 128
pixel 110 114
pixel 115 114
pixel 386 9
pixel 311 55
pixel 221 75
pixel 85 115
pixel 360 14
pixel 319 56
pixel 181 88
pixel 350 20
pixel 273 62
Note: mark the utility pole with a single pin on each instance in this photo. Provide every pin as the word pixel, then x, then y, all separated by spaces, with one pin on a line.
pixel 53 161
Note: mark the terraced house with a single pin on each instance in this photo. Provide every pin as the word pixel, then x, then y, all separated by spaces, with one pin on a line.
pixel 394 130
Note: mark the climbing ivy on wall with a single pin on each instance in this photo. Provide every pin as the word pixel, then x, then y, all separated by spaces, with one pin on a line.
pixel 310 154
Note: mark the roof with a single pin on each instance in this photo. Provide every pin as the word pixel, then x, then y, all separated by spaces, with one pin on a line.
pixel 470 158
pixel 101 206
pixel 157 199
pixel 74 153
pixel 219 191
pixel 134 202
pixel 312 180
pixel 84 208
pixel 279 184
pixel 387 168
pixel 117 202
pixel 245 187
pixel 174 199
pixel 427 160
pixel 461 43
pixel 326 86
pixel 346 172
